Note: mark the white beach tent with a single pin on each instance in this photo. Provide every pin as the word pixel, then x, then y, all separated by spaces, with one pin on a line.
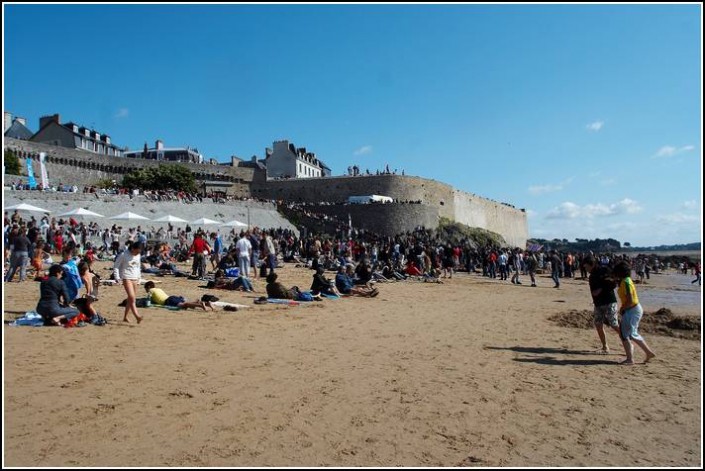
pixel 129 216
pixel 26 207
pixel 205 222
pixel 170 218
pixel 234 223
pixel 81 212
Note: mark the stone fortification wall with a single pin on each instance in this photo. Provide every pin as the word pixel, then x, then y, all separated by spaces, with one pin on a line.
pixel 474 211
pixel 442 199
pixel 261 214
pixel 386 219
pixel 82 168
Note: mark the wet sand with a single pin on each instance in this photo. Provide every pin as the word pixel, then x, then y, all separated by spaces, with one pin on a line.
pixel 470 372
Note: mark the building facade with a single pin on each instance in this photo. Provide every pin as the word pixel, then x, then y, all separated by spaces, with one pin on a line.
pixel 16 127
pixel 169 154
pixel 285 160
pixel 74 136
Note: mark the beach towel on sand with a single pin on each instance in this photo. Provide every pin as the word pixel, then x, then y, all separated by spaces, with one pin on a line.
pixel 30 318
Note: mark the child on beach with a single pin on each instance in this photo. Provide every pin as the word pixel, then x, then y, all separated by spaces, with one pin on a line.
pixel 631 314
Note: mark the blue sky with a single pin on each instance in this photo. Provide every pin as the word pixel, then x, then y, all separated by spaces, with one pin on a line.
pixel 588 116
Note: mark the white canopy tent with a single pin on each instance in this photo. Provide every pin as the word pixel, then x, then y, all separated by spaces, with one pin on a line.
pixel 234 223
pixel 205 222
pixel 170 218
pixel 129 216
pixel 81 212
pixel 26 207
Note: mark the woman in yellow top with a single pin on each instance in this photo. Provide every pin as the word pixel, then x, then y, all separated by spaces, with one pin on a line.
pixel 631 313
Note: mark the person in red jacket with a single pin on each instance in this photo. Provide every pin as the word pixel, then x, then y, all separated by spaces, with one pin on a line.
pixel 199 249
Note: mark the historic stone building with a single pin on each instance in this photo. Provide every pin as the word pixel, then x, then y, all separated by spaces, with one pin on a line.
pixel 285 160
pixel 74 136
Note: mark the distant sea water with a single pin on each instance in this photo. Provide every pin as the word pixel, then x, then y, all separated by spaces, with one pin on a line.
pixel 658 298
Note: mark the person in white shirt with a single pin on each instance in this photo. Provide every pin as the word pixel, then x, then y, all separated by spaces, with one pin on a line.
pixel 244 250
pixel 128 270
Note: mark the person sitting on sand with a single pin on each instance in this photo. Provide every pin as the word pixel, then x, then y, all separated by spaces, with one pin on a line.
pixel 322 285
pixel 54 298
pixel 345 285
pixel 277 290
pixel 158 296
pixel 236 284
pixel 91 281
pixel 631 312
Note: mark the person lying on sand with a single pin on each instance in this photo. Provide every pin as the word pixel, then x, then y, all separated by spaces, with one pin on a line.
pixel 158 296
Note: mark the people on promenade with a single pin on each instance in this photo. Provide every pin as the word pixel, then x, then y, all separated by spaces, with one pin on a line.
pixel 631 312
pixel 127 270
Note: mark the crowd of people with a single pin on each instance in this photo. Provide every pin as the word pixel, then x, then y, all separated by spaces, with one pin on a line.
pixel 356 259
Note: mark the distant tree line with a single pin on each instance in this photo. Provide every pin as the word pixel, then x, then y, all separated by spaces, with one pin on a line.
pixel 606 245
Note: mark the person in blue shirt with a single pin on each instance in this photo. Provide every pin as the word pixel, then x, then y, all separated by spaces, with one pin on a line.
pixel 345 285
pixel 217 249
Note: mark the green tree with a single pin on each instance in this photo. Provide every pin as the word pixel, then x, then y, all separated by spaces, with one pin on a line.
pixel 106 183
pixel 12 163
pixel 173 177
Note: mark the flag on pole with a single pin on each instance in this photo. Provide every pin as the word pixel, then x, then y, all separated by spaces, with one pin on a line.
pixel 43 167
pixel 30 174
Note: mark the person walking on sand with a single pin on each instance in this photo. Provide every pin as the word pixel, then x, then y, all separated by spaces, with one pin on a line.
pixel 127 269
pixel 605 301
pixel 631 312
pixel 556 268
pixel 698 274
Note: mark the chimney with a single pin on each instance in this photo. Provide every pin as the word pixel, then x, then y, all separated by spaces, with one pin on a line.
pixel 8 120
pixel 159 145
pixel 44 120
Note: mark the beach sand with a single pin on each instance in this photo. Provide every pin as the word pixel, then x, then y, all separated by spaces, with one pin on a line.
pixel 470 372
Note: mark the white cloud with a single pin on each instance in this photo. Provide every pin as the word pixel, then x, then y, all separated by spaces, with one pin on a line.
pixel 541 189
pixel 122 113
pixel 531 213
pixel 692 204
pixel 565 210
pixel 678 218
pixel 570 210
pixel 363 150
pixel 596 126
pixel 670 151
pixel 608 182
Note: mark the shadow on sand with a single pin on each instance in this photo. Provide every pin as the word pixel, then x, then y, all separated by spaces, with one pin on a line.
pixel 548 360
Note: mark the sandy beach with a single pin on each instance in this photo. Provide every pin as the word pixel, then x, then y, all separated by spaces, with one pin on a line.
pixel 470 372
